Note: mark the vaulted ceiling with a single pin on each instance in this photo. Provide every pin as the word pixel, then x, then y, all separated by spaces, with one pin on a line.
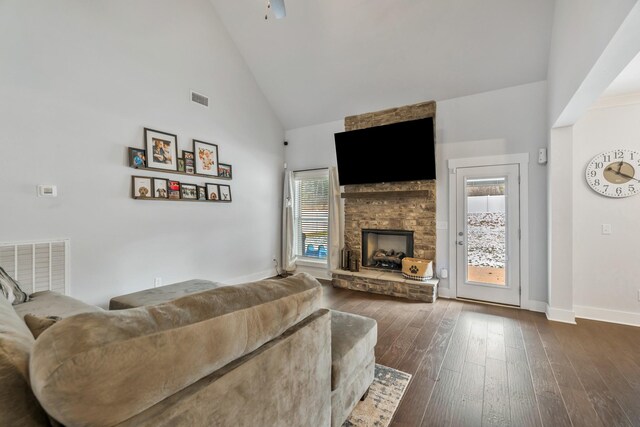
pixel 332 58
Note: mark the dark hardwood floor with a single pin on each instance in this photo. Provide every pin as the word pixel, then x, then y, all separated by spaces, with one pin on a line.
pixel 476 364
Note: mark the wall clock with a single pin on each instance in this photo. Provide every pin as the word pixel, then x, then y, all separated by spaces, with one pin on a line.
pixel 615 173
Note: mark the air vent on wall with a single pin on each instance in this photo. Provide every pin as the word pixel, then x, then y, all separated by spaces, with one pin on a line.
pixel 200 99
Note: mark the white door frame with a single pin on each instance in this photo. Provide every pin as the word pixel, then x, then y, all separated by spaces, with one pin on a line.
pixel 521 159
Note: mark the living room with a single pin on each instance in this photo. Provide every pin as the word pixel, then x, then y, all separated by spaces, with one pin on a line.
pixel 508 80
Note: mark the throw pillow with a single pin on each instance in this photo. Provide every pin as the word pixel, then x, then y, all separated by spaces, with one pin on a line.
pixel 38 325
pixel 11 289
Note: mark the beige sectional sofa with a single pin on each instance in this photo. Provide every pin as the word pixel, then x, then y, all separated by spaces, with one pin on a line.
pixel 258 354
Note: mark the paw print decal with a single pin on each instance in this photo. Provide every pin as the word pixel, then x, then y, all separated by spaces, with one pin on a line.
pixel 413 269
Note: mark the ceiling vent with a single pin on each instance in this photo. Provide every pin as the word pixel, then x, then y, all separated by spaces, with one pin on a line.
pixel 198 98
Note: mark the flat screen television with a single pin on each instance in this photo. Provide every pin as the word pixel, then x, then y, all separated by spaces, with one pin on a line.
pixel 402 151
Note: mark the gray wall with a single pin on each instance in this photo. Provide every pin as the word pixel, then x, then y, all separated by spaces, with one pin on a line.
pixel 79 81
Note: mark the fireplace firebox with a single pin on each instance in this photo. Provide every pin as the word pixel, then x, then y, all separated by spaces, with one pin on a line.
pixel 385 249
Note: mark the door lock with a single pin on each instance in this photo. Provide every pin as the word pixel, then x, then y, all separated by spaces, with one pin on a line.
pixel 461 243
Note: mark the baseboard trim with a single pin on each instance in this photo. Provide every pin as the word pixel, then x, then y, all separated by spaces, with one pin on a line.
pixel 537 306
pixel 250 277
pixel 446 293
pixel 560 315
pixel 606 315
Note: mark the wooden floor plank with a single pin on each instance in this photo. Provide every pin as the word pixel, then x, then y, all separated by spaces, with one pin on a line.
pixel 496 407
pixel 441 405
pixel 467 406
pixel 523 404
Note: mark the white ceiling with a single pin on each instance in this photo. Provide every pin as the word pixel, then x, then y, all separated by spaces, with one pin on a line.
pixel 627 82
pixel 332 58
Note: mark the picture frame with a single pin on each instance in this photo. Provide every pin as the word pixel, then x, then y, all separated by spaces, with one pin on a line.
pixel 225 192
pixel 181 167
pixel 189 191
pixel 161 149
pixel 174 190
pixel 160 188
pixel 141 187
pixel 137 157
pixel 225 170
pixel 206 158
pixel 202 193
pixel 189 162
pixel 213 192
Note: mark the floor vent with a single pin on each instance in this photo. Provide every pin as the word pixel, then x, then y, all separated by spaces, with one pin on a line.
pixel 200 99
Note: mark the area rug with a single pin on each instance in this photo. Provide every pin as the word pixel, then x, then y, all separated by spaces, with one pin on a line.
pixel 383 399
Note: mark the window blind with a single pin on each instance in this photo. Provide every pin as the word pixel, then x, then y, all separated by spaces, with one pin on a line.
pixel 311 213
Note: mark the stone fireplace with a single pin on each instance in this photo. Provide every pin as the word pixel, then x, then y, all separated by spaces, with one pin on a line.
pixel 385 249
pixel 386 208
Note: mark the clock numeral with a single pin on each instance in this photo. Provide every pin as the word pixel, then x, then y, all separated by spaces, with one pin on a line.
pixel 632 188
pixel 592 174
pixel 606 158
pixel 599 165
pixel 606 187
pixel 632 155
pixel 619 191
pixel 596 182
pixel 619 155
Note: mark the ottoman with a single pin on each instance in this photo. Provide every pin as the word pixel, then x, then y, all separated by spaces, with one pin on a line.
pixel 161 294
pixel 353 339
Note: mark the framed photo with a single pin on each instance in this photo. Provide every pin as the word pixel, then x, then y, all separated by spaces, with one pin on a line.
pixel 189 161
pixel 189 191
pixel 224 170
pixel 202 193
pixel 180 165
pixel 225 193
pixel 174 190
pixel 206 158
pixel 213 193
pixel 162 149
pixel 160 188
pixel 137 157
pixel 141 187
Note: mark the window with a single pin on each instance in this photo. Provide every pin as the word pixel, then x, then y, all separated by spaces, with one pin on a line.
pixel 311 213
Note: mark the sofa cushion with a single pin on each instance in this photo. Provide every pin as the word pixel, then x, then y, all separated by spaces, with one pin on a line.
pixel 11 289
pixel 48 303
pixel 353 339
pixel 18 405
pixel 161 294
pixel 108 366
pixel 37 325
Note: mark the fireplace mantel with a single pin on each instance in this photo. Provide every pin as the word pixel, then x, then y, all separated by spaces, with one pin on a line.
pixel 385 194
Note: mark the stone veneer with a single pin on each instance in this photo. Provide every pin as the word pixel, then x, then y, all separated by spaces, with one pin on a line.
pixel 399 211
pixel 417 213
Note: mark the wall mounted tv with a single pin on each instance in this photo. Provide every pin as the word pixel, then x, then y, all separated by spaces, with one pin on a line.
pixel 402 151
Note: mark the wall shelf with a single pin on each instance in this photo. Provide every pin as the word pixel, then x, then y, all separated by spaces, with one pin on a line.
pixel 181 200
pixel 180 173
pixel 385 194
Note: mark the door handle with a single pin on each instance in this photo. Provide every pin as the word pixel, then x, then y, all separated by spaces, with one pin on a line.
pixel 461 242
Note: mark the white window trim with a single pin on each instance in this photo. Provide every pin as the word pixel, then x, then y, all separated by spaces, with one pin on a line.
pixel 302 260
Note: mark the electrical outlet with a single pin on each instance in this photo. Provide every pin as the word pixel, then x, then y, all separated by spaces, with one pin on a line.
pixel 273 258
pixel 157 282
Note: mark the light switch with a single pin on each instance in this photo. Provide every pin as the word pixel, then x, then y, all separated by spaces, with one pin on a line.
pixel 606 229
pixel 47 190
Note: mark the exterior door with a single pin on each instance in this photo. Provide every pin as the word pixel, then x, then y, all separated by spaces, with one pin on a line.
pixel 488 233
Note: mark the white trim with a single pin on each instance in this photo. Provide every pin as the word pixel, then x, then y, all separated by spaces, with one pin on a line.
pixel 250 277
pixel 317 272
pixel 310 262
pixel 446 293
pixel 606 315
pixel 538 306
pixel 522 159
pixel 560 315
pixel 616 101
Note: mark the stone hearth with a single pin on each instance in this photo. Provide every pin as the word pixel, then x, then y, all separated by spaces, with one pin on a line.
pixel 386 283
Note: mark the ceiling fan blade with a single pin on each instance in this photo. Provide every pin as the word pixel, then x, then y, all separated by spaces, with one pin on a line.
pixel 278 8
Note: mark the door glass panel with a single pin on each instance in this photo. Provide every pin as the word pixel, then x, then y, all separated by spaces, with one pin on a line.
pixel 486 230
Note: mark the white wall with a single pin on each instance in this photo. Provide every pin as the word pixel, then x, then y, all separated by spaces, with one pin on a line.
pixel 582 29
pixel 515 115
pixel 605 267
pixel 79 81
